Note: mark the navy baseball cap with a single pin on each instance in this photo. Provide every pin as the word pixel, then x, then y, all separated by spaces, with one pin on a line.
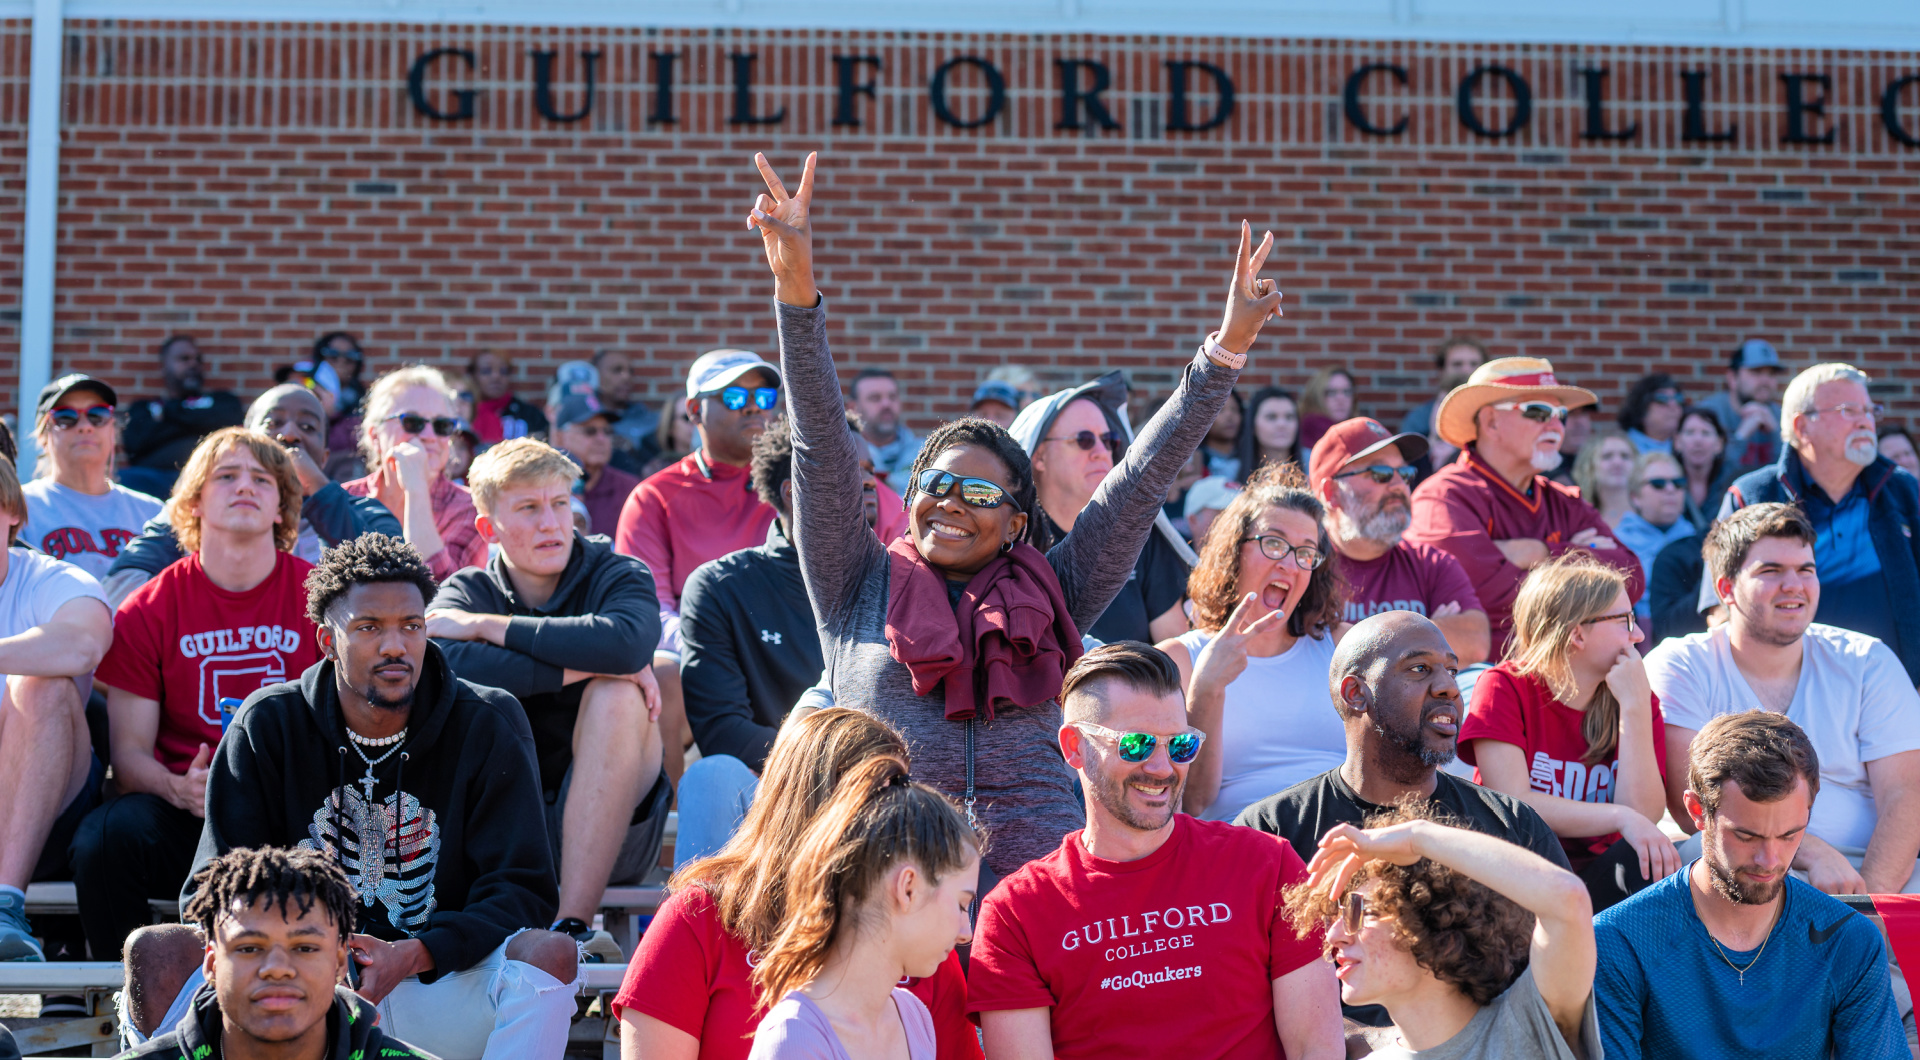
pixel 579 408
pixel 1757 353
pixel 66 384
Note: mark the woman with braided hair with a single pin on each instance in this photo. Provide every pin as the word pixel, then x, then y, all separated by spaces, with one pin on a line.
pixel 959 632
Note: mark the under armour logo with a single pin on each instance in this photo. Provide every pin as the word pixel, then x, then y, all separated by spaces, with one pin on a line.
pixel 768 636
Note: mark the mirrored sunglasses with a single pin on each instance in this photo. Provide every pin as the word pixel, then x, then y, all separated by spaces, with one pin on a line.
pixel 1384 474
pixel 764 398
pixel 65 419
pixel 975 492
pixel 1353 912
pixel 1137 747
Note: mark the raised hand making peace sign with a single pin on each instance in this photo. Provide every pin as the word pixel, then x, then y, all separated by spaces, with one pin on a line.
pixel 1250 299
pixel 787 230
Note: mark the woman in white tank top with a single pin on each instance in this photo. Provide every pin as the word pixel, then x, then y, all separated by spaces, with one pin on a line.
pixel 1255 668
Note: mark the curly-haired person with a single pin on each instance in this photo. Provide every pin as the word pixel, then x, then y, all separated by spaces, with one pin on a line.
pixel 277 924
pixel 1478 948
pixel 425 789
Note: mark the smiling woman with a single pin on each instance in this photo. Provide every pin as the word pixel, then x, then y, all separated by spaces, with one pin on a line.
pixel 911 631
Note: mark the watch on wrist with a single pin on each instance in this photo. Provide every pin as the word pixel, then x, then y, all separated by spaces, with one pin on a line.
pixel 1219 354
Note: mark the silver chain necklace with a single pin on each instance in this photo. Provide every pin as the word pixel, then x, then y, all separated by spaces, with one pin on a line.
pixel 368 781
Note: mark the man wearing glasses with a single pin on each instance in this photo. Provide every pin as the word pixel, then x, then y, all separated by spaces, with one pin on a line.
pixel 1362 473
pixel 1147 910
pixel 1493 508
pixel 1865 512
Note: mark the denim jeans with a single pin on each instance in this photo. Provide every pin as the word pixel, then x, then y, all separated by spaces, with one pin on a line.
pixel 714 795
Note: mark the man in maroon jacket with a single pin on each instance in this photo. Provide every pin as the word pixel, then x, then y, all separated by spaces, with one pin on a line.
pixel 1493 508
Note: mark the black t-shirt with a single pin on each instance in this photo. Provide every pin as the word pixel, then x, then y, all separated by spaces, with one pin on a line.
pixel 1303 813
pixel 1158 581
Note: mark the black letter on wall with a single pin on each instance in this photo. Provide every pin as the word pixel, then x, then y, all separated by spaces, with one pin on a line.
pixel 1522 102
pixel 662 113
pixel 417 87
pixel 1799 106
pixel 996 92
pixel 843 70
pixel 1072 97
pixel 1597 120
pixel 1693 127
pixel 1890 111
pixel 1179 118
pixel 743 95
pixel 1350 99
pixel 543 86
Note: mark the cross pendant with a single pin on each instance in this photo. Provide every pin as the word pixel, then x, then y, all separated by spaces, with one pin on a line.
pixel 1743 979
pixel 366 783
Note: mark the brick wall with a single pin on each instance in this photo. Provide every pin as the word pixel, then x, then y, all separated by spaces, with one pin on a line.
pixel 257 184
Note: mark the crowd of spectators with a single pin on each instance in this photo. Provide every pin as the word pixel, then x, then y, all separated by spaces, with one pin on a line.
pixel 1515 731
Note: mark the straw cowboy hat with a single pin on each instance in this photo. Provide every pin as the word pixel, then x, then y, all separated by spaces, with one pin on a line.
pixel 1502 379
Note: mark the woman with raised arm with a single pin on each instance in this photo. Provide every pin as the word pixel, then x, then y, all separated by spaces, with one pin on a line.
pixel 959 632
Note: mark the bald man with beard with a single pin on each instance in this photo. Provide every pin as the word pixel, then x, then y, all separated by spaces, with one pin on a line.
pixel 293 416
pixel 1392 683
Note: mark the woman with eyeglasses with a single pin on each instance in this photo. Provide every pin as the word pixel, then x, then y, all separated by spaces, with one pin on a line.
pixel 1657 492
pixel 1254 667
pixel 1651 412
pixel 1477 948
pixel 407 438
pixel 960 632
pixel 1569 725
pixel 75 510
pixel 1271 432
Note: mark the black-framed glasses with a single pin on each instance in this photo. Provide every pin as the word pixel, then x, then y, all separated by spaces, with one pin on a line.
pixel 975 492
pixel 1137 747
pixel 1632 626
pixel 66 419
pixel 414 423
pixel 1665 483
pixel 1851 411
pixel 764 398
pixel 1537 411
pixel 1383 473
pixel 1276 548
pixel 1086 440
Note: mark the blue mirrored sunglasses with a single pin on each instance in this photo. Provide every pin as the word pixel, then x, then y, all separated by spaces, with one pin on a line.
pixel 763 397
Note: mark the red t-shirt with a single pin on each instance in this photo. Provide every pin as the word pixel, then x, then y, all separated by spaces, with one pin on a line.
pixel 186 642
pixel 689 973
pixel 686 514
pixel 1520 710
pixel 1171 955
pixel 1410 577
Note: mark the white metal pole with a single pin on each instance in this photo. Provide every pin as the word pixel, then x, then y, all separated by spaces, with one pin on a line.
pixel 42 215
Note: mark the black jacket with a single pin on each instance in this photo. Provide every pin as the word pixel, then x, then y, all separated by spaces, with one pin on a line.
pixel 161 433
pixel 1673 590
pixel 748 647
pixel 197 1036
pixel 334 514
pixel 603 618
pixel 473 864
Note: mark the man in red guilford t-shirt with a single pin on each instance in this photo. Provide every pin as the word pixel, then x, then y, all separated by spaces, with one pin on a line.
pixel 1148 933
pixel 1493 508
pixel 224 622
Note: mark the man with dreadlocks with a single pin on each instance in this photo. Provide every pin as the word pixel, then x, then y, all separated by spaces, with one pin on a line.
pixel 277 924
pixel 425 789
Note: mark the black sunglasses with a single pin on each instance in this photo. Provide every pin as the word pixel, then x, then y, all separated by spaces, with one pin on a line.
pixel 764 397
pixel 1665 483
pixel 66 419
pixel 1537 411
pixel 1383 474
pixel 1086 440
pixel 976 492
pixel 414 423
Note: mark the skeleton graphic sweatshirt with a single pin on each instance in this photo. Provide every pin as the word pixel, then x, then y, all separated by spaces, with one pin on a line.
pixel 464 861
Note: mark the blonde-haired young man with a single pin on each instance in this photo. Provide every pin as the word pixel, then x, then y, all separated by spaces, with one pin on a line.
pixel 188 647
pixel 568 626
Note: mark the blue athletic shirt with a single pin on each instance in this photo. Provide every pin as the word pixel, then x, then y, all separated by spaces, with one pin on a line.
pixel 1820 989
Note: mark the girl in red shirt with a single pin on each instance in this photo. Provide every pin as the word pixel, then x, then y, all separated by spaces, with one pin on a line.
pixel 689 991
pixel 1569 725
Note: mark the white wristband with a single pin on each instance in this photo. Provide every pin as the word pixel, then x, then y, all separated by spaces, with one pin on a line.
pixel 1218 354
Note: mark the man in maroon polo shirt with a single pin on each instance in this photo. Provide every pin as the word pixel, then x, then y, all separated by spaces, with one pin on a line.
pixel 1360 471
pixel 1493 509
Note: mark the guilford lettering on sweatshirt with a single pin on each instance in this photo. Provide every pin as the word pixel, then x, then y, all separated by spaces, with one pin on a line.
pixel 244 638
pixel 1140 934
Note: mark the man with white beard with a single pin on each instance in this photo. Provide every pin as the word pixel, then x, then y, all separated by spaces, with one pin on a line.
pixel 1493 509
pixel 1865 515
pixel 1360 471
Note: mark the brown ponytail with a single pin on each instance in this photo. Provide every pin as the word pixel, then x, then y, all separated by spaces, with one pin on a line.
pixel 877 818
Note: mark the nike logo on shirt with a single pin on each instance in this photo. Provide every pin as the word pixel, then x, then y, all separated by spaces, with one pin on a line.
pixel 1817 936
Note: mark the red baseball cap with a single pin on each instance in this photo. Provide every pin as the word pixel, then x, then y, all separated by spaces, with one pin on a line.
pixel 1352 439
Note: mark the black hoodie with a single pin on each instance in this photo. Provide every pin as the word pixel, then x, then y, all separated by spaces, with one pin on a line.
pixel 473 865
pixel 197 1036
pixel 603 618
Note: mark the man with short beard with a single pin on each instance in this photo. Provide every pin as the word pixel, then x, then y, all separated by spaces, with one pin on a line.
pixel 1845 689
pixel 1361 473
pixel 1493 509
pixel 1392 683
pixel 1734 957
pixel 1865 514
pixel 1148 933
